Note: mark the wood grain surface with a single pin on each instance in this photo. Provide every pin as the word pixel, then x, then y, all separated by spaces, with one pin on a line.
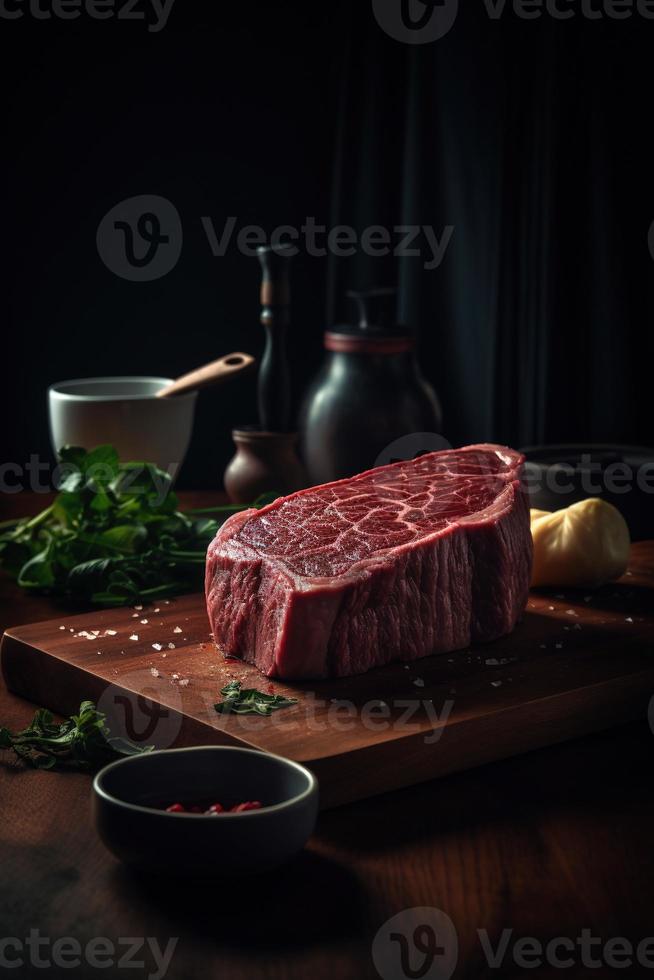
pixel 576 663
pixel 545 844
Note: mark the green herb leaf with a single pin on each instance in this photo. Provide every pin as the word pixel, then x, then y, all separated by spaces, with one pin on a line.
pixel 101 457
pixel 125 537
pixel 83 742
pixel 113 535
pixel 38 572
pixel 250 701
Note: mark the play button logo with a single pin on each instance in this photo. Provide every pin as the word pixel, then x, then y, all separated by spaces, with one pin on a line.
pixel 416 944
pixel 415 21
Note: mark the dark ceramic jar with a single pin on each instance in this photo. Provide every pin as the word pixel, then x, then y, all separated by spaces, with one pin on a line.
pixel 264 462
pixel 369 393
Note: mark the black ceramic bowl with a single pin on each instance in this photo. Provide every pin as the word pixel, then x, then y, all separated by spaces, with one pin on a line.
pixel 129 796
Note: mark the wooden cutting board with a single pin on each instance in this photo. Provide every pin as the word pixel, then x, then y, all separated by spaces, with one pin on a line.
pixel 578 662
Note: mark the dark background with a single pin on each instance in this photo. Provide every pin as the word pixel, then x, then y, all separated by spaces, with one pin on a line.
pixel 531 137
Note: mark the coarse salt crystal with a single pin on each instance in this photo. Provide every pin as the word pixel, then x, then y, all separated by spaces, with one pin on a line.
pixel 177 629
pixel 157 646
pixel 419 682
pixel 496 683
pixel 154 672
pixel 628 619
pixel 571 612
pixel 157 609
pixel 138 608
pixel 550 607
pixel 110 632
pixel 184 682
pixel 62 627
pixel 134 637
pixel 492 662
pixel 175 677
pixel 171 646
pixel 144 622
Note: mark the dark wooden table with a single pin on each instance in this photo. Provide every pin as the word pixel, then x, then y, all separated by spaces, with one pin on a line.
pixel 546 845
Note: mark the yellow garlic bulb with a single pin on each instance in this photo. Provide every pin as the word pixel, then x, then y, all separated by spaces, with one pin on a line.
pixel 584 545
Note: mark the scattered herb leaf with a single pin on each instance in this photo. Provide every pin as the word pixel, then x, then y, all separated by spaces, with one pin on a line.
pixel 250 701
pixel 82 743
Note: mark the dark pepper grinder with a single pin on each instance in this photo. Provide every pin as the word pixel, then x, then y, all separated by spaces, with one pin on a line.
pixel 369 393
pixel 274 375
pixel 266 459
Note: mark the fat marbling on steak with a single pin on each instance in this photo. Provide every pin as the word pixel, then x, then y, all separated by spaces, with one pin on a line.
pixel 417 557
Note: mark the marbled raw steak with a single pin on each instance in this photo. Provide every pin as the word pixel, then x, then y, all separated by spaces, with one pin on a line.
pixel 418 557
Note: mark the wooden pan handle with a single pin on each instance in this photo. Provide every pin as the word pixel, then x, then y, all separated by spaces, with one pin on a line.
pixel 211 374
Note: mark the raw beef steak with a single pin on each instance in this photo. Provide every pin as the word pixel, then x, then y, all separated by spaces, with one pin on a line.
pixel 405 560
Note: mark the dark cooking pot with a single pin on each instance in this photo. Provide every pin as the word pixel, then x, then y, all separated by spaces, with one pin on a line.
pixel 558 476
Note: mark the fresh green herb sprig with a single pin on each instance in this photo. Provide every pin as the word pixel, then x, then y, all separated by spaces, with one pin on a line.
pixel 113 535
pixel 83 743
pixel 250 701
